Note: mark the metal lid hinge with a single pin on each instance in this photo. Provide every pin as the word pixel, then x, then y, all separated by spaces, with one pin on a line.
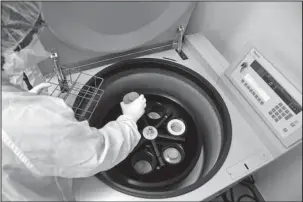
pixel 180 37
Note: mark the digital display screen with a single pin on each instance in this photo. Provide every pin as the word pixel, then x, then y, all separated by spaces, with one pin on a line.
pixel 275 86
pixel 249 79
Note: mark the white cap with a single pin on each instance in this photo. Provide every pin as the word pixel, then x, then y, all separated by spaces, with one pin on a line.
pixel 176 123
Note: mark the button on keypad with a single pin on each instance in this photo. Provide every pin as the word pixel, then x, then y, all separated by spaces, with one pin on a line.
pixel 252 92
pixel 279 111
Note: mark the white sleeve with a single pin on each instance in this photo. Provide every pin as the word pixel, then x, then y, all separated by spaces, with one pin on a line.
pixel 85 151
pixel 88 151
pixel 57 144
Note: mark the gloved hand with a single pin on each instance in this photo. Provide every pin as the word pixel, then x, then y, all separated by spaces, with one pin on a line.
pixel 134 109
pixel 38 89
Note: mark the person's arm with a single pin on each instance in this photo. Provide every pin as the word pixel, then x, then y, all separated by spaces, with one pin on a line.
pixel 85 151
pixel 58 145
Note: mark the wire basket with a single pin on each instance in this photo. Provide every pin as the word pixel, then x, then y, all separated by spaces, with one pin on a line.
pixel 81 91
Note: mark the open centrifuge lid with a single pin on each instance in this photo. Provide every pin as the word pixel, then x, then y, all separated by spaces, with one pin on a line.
pixel 114 27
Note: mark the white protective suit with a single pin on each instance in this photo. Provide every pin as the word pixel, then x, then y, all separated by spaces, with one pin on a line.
pixel 44 146
pixel 21 23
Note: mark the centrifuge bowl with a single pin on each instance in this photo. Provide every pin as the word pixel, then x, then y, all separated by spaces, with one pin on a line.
pixel 188 96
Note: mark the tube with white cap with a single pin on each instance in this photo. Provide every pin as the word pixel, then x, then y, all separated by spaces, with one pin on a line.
pixel 176 127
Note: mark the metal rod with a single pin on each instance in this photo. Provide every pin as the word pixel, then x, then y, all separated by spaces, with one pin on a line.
pixel 54 90
pixel 157 153
pixel 163 120
pixel 83 96
pixel 97 102
pixel 61 77
pixel 104 60
pixel 181 31
pixel 169 137
pixel 72 86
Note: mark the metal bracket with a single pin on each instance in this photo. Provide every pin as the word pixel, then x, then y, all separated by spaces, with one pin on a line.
pixel 181 31
pixel 61 77
pixel 180 37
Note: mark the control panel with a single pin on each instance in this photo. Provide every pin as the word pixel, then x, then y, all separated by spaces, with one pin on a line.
pixel 272 96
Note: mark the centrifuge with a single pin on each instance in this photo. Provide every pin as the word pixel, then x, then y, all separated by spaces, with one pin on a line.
pixel 208 123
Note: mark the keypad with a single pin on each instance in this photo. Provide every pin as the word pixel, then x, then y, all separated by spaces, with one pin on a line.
pixel 288 116
pixel 280 111
pixel 252 92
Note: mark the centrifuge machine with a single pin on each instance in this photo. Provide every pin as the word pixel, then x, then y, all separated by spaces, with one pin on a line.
pixel 208 123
